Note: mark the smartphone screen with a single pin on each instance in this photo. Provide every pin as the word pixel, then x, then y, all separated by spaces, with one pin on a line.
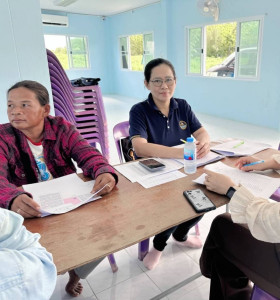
pixel 151 164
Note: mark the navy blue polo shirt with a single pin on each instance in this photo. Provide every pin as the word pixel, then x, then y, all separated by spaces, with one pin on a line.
pixel 148 122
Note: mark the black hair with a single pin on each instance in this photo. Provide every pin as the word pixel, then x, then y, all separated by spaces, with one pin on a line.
pixel 154 63
pixel 39 90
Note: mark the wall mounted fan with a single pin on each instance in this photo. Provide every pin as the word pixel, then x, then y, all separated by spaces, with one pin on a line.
pixel 209 8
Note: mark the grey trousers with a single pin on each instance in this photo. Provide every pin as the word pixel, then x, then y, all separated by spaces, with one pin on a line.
pixel 84 270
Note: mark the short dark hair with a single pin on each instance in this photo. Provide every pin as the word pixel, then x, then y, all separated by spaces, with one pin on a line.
pixel 39 90
pixel 154 63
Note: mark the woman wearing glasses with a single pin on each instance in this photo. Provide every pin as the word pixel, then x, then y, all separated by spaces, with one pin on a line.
pixel 157 124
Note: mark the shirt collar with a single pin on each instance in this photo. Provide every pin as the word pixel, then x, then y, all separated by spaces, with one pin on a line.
pixel 49 134
pixel 173 103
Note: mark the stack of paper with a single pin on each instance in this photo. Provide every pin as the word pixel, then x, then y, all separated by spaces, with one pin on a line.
pixel 62 194
pixel 239 148
pixel 259 185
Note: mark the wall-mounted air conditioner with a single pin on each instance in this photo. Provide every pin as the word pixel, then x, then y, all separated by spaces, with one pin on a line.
pixel 55 20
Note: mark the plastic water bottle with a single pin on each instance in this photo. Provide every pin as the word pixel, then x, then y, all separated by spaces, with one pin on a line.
pixel 190 156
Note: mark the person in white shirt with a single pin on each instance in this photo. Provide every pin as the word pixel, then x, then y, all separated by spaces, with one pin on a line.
pixel 243 246
pixel 27 271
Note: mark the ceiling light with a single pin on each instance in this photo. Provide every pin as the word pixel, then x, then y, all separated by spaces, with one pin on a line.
pixel 63 2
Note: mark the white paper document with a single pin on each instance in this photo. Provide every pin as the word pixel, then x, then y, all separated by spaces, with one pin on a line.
pixel 160 179
pixel 239 148
pixel 62 194
pixel 259 185
pixel 134 171
pixel 207 159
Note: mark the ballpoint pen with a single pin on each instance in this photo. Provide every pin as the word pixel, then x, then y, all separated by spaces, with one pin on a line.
pixel 239 144
pixel 182 140
pixel 254 163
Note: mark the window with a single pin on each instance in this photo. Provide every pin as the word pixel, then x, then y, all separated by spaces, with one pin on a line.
pixel 225 50
pixel 136 51
pixel 71 51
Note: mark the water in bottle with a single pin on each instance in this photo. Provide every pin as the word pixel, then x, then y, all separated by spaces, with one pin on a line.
pixel 190 156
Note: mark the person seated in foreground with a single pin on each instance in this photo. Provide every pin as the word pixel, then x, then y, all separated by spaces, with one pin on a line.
pixel 27 270
pixel 156 125
pixel 243 245
pixel 35 147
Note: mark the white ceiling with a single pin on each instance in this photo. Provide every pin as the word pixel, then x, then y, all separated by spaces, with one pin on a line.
pixel 98 7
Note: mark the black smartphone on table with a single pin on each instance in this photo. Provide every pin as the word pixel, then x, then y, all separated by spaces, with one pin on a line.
pixel 199 201
pixel 151 164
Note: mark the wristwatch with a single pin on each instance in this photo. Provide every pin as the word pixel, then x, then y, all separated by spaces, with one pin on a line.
pixel 230 192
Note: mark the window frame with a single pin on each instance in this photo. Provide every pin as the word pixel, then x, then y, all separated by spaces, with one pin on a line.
pixel 128 52
pixel 237 47
pixel 70 51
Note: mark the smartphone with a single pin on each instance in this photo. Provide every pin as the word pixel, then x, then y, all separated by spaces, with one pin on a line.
pixel 151 164
pixel 199 201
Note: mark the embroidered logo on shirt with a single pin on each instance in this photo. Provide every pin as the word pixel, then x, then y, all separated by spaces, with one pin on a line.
pixel 183 125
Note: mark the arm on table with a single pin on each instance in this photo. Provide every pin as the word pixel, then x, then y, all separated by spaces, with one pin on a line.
pixel 144 149
pixel 202 142
pixel 27 269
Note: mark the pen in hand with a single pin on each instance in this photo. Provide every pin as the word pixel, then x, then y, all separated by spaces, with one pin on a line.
pixel 254 163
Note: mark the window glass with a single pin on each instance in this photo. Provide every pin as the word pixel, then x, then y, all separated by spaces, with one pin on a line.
pixel 58 45
pixel 71 51
pixel 195 50
pixel 124 53
pixel 136 52
pixel 225 50
pixel 148 48
pixel 220 44
pixel 248 51
pixel 79 54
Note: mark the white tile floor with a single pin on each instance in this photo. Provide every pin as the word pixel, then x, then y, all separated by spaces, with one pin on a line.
pixel 133 281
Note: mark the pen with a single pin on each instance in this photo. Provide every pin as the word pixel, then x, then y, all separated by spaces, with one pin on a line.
pixel 254 163
pixel 182 140
pixel 239 144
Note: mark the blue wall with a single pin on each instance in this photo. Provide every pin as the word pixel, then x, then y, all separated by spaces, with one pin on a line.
pixel 22 51
pixel 255 102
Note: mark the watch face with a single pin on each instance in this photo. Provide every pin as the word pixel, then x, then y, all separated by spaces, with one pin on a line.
pixel 230 192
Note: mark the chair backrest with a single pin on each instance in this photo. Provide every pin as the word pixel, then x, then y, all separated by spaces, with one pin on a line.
pixel 121 130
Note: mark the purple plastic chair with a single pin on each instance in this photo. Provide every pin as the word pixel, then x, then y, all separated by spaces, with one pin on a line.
pixel 259 294
pixel 121 130
pixel 84 108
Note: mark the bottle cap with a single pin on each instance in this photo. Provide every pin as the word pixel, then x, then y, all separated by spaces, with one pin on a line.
pixel 190 139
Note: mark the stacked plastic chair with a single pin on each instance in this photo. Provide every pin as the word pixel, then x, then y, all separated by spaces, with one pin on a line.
pixel 82 106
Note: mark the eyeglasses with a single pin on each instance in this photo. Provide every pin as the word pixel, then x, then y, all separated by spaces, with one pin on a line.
pixel 159 82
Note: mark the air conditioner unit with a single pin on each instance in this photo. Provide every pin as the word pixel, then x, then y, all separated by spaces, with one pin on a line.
pixel 55 20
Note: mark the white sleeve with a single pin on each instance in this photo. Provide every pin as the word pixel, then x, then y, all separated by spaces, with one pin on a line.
pixel 261 216
pixel 27 270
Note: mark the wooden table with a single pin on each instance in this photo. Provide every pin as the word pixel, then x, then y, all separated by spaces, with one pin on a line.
pixel 129 214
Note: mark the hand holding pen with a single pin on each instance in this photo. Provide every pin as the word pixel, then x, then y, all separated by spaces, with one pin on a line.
pixel 251 163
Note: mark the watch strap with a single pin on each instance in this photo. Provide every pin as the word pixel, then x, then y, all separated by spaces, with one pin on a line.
pixel 230 192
